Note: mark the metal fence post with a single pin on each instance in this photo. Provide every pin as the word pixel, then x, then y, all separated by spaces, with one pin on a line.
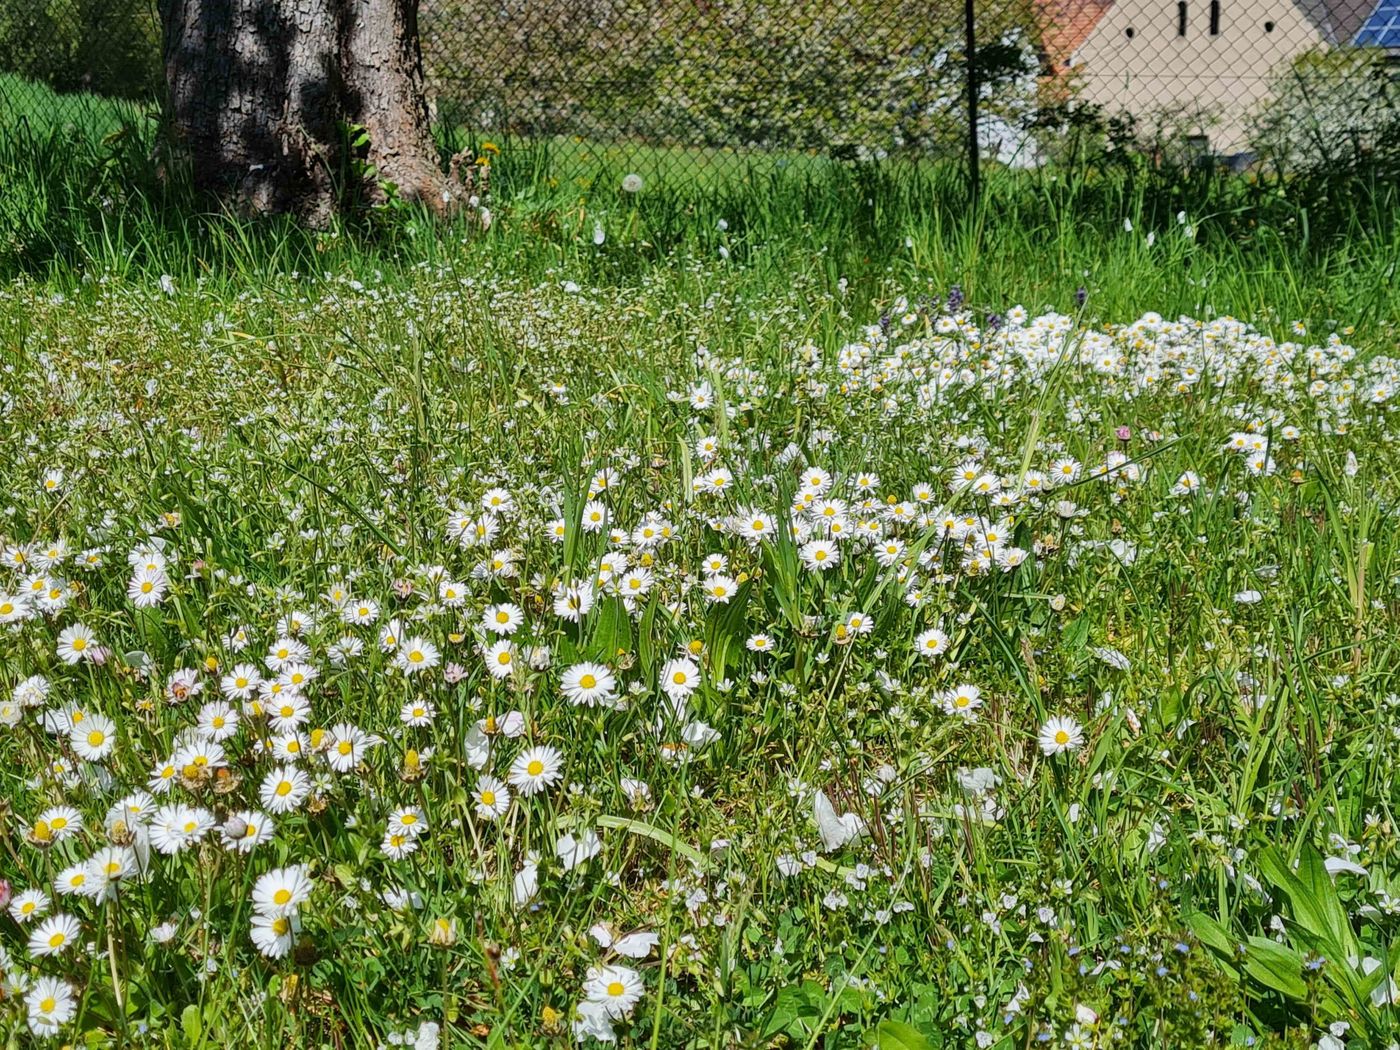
pixel 974 160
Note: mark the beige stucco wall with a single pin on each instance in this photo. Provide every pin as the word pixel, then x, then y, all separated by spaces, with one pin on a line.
pixel 1216 80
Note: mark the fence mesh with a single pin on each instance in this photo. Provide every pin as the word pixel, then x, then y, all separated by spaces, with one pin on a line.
pixel 685 86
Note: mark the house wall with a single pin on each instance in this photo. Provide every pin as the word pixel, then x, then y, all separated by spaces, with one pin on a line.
pixel 1213 81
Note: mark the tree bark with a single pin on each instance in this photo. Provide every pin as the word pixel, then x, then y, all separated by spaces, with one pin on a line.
pixel 262 93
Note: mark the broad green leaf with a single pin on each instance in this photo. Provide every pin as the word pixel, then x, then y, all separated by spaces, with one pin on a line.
pixel 896 1035
pixel 1276 967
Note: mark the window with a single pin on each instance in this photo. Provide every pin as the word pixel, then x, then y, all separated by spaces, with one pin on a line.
pixel 1181 18
pixel 1214 17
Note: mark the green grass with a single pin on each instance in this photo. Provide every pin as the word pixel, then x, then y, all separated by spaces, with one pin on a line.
pixel 283 415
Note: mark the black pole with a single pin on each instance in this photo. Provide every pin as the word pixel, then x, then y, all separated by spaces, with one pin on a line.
pixel 974 173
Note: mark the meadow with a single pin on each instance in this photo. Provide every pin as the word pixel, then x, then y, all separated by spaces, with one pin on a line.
pixel 780 608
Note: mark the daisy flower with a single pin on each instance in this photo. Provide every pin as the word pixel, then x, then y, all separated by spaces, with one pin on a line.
pixel 714 564
pixel 107 867
pixel 719 589
pixel 73 881
pixel 286 651
pixel 246 829
pixel 177 827
pixel 451 593
pixel 58 823
pixel 53 935
pixel 617 989
pixel 241 682
pixel 416 654
pixel 29 905
pixel 820 555
pixel 680 678
pixel 408 820
pixel 573 603
pixel 217 721
pixel 588 684
pixel 93 739
pixel 147 587
pixel 297 676
pixel 359 612
pixel 282 890
pixel 502 619
pixel 391 635
pixel 535 769
pixel 345 747
pixel 931 643
pixel 51 1004
pixel 963 700
pixel 76 643
pixel 1060 734
pixel 492 798
pixel 272 935
pixel 500 659
pixel 13 607
pixel 286 708
pixel 417 713
pixel 284 789
pixel 397 846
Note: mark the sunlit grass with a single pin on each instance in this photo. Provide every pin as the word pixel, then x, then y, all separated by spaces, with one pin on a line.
pixel 1083 738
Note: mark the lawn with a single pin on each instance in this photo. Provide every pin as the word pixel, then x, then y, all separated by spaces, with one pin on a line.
pixel 788 609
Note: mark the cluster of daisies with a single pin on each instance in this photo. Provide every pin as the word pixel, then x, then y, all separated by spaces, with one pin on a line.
pixel 909 364
pixel 548 613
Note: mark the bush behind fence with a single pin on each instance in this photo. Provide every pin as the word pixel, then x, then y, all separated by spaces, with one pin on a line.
pixel 1265 81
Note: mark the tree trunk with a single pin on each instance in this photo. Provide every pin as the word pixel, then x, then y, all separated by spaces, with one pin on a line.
pixel 262 93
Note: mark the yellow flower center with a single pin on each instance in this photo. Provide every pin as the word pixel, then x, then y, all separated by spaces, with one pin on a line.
pixel 96 738
pixel 615 989
pixel 535 768
pixel 588 682
pixel 281 897
pixel 1061 737
pixel 284 789
pixel 488 798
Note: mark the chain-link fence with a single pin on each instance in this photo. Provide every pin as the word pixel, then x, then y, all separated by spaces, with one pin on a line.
pixel 681 88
